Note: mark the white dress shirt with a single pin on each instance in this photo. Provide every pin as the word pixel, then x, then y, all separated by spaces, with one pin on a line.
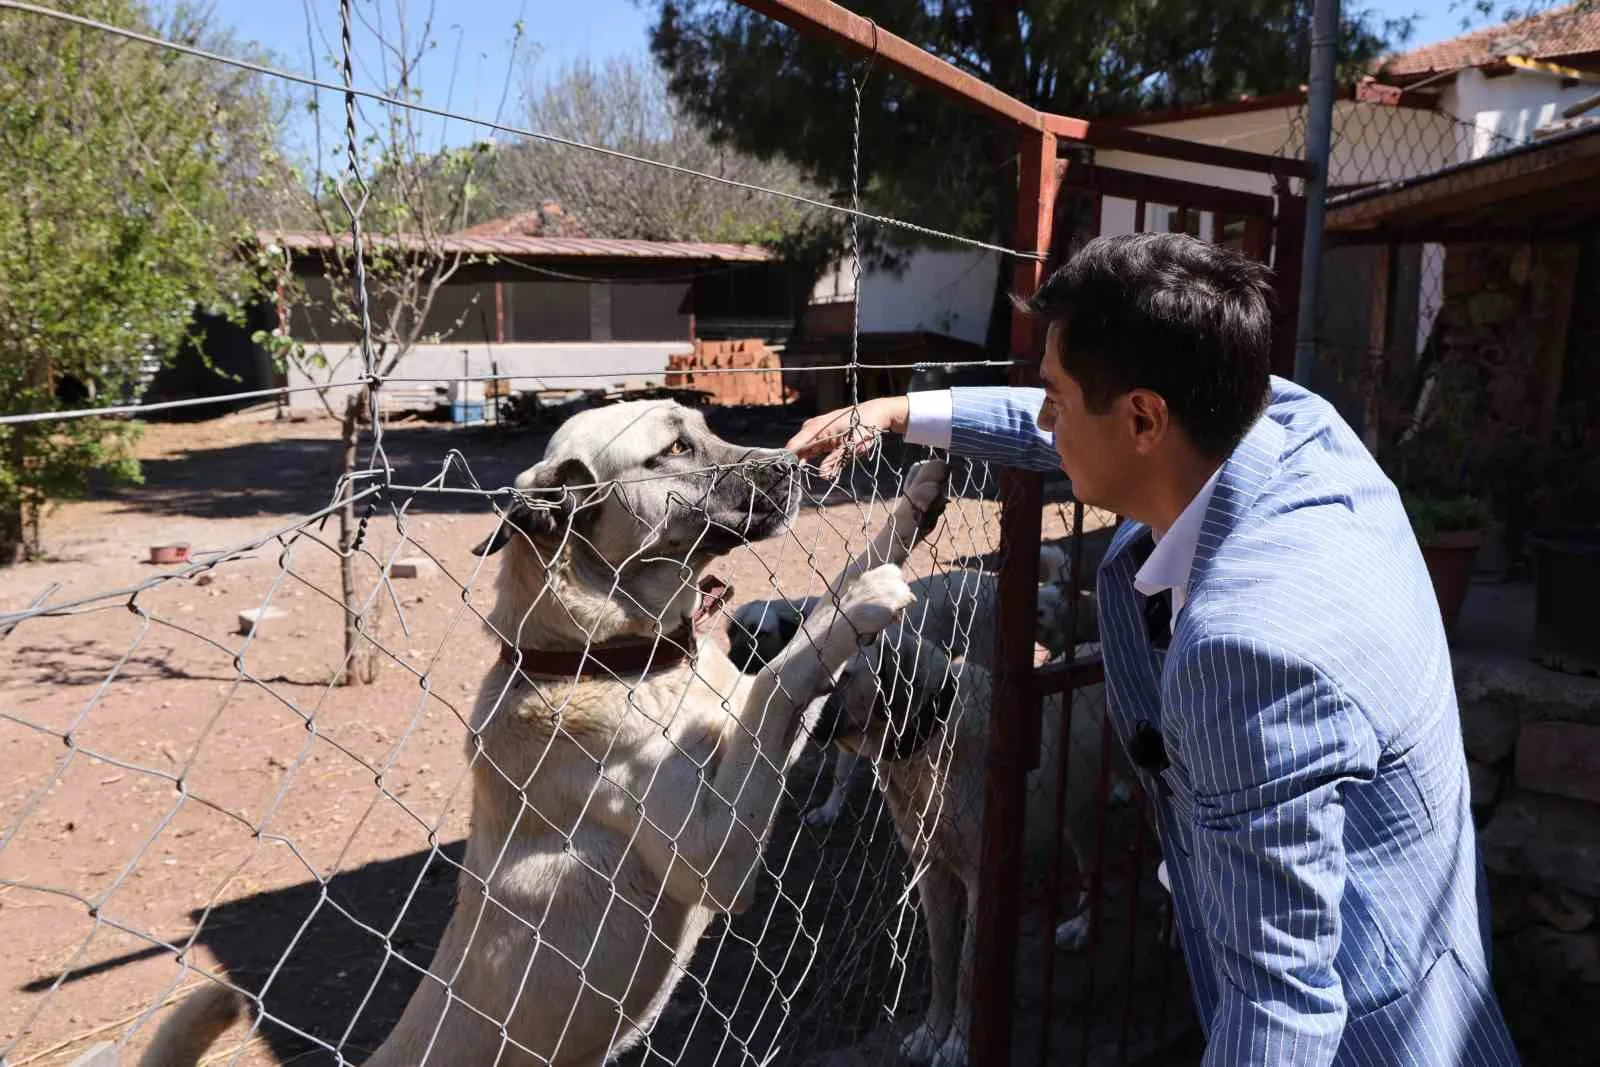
pixel 1172 560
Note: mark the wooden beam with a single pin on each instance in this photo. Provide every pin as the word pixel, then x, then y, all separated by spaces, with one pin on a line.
pixel 1555 330
pixel 1289 225
pixel 1540 67
pixel 1440 234
pixel 860 36
pixel 1134 185
pixel 1014 714
pixel 1121 138
pixel 1379 301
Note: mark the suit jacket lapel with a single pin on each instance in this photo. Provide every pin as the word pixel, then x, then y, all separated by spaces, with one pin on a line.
pixel 1132 666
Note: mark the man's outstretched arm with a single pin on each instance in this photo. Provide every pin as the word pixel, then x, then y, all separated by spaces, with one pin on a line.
pixel 994 423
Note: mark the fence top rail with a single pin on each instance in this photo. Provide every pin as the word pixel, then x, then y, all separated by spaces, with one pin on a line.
pixel 861 36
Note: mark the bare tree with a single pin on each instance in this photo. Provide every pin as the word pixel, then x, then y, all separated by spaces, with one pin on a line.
pixel 407 200
pixel 624 105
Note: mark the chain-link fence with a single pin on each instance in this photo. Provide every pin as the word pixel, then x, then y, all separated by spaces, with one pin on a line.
pixel 673 751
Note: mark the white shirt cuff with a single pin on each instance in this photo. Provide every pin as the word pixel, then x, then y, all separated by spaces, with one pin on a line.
pixel 928 418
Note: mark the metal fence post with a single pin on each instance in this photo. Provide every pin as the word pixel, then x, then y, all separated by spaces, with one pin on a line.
pixel 1014 717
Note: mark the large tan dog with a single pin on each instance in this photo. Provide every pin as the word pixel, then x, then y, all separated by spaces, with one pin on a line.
pixel 615 814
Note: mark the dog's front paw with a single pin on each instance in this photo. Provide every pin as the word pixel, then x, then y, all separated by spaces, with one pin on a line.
pixel 921 1045
pixel 877 599
pixel 822 817
pixel 925 482
pixel 1073 935
pixel 953 1053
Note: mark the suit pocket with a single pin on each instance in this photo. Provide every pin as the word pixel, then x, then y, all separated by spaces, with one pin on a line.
pixel 1446 1018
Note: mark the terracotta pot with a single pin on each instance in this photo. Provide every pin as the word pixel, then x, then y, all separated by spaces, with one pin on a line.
pixel 169 553
pixel 1449 557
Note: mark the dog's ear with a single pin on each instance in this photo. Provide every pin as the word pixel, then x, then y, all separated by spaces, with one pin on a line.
pixel 550 485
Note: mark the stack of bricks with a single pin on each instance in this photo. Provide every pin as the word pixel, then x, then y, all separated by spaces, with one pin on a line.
pixel 736 389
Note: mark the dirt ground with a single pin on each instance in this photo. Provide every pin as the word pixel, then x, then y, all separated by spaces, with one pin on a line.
pixel 169 785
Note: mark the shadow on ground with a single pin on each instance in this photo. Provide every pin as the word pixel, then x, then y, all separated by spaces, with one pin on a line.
pixel 297 473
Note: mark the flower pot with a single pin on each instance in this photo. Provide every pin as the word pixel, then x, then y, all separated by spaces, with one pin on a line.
pixel 1566 574
pixel 1449 557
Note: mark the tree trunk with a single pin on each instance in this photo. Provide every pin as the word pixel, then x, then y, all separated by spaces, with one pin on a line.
pixel 13 545
pixel 13 513
pixel 360 661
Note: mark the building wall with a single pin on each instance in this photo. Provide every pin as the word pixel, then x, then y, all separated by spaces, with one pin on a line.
pixel 532 366
pixel 937 291
pixel 1507 108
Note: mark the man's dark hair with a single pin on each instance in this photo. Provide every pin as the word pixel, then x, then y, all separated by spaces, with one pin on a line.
pixel 1167 312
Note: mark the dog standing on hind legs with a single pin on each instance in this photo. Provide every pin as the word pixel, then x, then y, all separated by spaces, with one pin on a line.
pixel 625 774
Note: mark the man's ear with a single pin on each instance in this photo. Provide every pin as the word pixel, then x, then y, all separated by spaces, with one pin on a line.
pixel 549 484
pixel 1147 412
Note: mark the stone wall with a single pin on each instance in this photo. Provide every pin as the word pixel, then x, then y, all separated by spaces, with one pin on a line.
pixel 1533 744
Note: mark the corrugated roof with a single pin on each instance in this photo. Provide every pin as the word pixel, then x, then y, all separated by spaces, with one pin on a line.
pixel 534 247
pixel 1565 31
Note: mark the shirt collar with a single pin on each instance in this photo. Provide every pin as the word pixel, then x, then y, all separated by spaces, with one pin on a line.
pixel 1173 556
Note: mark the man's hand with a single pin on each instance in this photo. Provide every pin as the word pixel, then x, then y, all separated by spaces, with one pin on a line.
pixel 837 435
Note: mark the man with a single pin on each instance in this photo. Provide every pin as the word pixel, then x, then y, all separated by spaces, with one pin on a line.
pixel 1275 660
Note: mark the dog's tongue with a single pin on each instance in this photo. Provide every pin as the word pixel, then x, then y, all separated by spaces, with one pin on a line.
pixel 714 593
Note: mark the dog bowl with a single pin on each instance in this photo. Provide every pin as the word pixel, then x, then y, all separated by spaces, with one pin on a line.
pixel 169 553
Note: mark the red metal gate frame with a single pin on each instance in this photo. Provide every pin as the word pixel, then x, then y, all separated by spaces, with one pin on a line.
pixel 1020 688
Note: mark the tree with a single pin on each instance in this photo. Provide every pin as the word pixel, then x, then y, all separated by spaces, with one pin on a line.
pixel 624 105
pixel 408 200
pixel 761 88
pixel 123 168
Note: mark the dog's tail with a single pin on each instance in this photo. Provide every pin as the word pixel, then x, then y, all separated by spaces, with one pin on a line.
pixel 193 1027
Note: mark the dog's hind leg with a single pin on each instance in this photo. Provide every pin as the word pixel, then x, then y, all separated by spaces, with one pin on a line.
pixel 942 899
pixel 845 765
pixel 953 1053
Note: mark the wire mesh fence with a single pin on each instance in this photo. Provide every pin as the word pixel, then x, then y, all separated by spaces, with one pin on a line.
pixel 682 762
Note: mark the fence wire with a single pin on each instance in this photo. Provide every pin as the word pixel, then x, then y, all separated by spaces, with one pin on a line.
pixel 561 825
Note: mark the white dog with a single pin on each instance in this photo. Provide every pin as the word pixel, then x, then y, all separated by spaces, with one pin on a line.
pixel 625 774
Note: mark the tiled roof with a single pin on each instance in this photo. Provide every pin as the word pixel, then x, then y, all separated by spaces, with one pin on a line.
pixel 1564 31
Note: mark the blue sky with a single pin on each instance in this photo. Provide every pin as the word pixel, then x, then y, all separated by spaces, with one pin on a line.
pixel 474 44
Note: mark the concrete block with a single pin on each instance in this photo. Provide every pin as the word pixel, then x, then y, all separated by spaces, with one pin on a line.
pixel 1561 758
pixel 413 567
pixel 250 617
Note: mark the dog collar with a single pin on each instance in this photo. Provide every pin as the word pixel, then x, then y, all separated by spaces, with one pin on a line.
pixel 623 660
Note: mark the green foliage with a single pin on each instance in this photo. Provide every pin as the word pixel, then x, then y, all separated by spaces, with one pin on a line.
pixel 1433 515
pixel 120 165
pixel 763 89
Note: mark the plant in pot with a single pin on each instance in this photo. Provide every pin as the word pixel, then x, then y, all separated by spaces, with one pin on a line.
pixel 1430 462
pixel 1449 529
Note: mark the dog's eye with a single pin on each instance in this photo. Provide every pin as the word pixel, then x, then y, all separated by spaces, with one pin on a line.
pixel 680 447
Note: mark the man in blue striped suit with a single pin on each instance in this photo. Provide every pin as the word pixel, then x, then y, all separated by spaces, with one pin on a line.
pixel 1275 660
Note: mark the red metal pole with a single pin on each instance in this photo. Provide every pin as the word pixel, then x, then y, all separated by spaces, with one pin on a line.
pixel 1288 236
pixel 1014 717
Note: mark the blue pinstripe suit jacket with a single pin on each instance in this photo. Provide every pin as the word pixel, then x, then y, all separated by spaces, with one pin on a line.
pixel 1315 819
